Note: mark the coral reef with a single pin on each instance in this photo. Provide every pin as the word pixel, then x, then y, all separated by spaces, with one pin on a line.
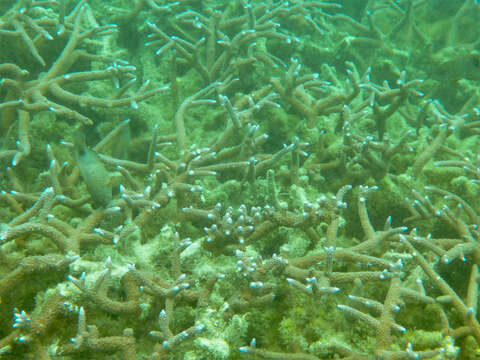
pixel 239 179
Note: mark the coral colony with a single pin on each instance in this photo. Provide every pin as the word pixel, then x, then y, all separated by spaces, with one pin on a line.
pixel 285 180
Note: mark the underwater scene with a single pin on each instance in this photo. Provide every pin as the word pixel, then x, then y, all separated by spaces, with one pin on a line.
pixel 224 180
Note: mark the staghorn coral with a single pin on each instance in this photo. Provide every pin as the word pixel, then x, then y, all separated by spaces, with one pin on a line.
pixel 306 187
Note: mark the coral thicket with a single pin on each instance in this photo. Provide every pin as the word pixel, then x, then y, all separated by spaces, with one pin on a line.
pixel 285 180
